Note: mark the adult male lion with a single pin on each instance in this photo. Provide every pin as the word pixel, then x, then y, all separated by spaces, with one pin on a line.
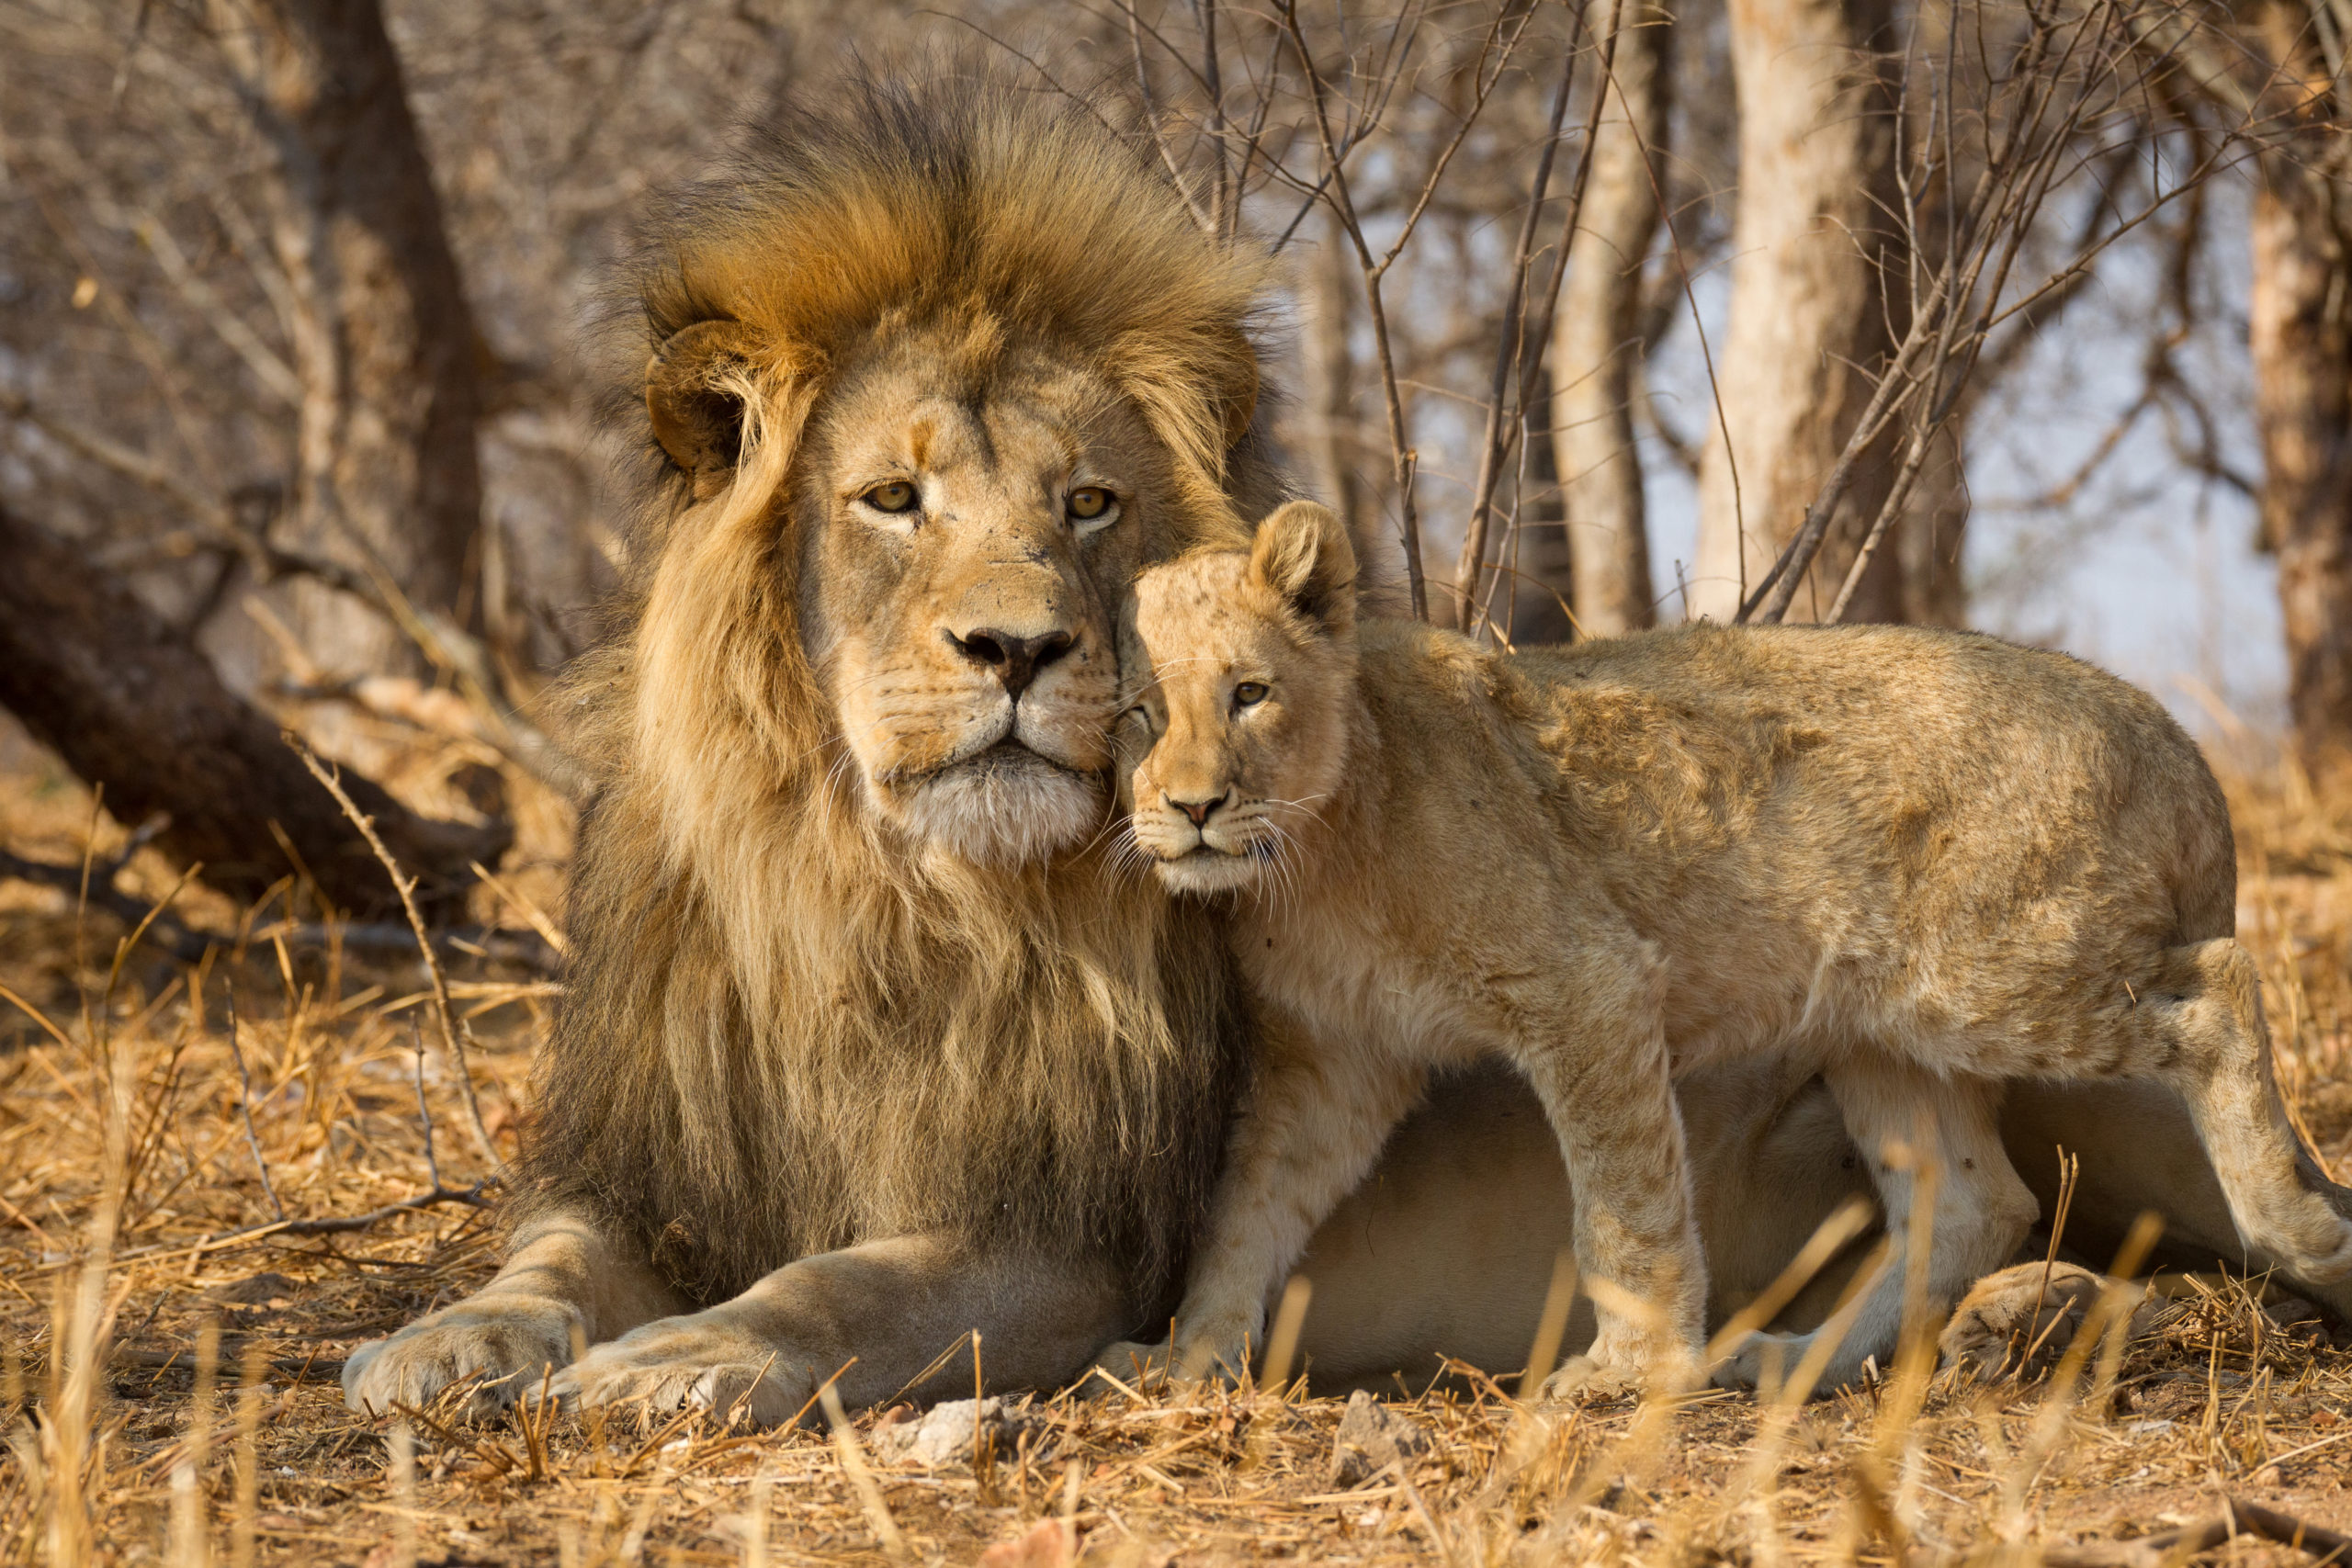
pixel 866 1045
pixel 935 369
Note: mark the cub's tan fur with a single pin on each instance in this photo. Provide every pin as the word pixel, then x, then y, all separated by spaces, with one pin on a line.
pixel 863 1047
pixel 1919 863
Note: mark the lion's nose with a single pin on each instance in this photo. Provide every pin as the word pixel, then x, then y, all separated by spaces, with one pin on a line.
pixel 1015 659
pixel 1198 810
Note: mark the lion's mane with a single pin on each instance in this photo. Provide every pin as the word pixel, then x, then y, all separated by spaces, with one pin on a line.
pixel 789 1028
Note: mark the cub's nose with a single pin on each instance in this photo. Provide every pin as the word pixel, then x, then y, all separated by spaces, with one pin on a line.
pixel 1198 810
pixel 1015 659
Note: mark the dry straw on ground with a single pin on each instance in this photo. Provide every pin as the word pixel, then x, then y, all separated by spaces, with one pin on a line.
pixel 173 1313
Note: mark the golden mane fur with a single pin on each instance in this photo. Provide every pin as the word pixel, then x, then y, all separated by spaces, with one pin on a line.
pixel 790 1025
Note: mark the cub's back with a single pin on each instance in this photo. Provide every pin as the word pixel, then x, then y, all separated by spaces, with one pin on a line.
pixel 1969 771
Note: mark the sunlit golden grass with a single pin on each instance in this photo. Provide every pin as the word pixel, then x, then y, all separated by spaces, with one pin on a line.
pixel 171 1324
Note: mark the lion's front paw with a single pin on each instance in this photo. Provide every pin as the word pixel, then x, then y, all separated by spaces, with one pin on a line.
pixel 1762 1360
pixel 704 1359
pixel 508 1342
pixel 2015 1323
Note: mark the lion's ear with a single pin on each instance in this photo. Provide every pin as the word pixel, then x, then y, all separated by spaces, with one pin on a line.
pixel 696 388
pixel 1302 554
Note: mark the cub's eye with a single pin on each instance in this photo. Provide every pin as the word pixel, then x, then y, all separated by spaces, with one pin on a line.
pixel 894 497
pixel 1248 694
pixel 1091 503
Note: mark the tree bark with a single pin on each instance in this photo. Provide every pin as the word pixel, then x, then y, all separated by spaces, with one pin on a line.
pixel 2300 330
pixel 1328 362
pixel 1543 578
pixel 1933 526
pixel 1603 555
pixel 385 348
pixel 1809 319
pixel 104 681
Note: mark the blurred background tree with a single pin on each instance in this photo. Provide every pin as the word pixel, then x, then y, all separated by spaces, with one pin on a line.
pixel 1598 313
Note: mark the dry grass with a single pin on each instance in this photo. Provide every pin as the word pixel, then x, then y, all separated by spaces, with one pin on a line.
pixel 168 1386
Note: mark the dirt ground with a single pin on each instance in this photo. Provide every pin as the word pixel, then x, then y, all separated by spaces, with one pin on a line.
pixel 179 1403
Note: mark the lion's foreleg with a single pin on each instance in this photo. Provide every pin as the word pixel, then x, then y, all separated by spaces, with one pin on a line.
pixel 1313 1128
pixel 1917 1133
pixel 875 1318
pixel 567 1282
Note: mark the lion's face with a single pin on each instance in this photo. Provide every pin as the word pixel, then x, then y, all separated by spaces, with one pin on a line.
pixel 1244 672
pixel 967 537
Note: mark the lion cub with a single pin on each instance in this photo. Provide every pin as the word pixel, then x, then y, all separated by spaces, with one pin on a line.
pixel 1924 862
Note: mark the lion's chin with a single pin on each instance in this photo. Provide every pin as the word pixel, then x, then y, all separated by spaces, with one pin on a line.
pixel 1007 806
pixel 1205 870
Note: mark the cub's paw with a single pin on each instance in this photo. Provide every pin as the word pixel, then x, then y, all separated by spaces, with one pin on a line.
pixel 1583 1380
pixel 1147 1367
pixel 508 1342
pixel 705 1361
pixel 2311 1242
pixel 1139 1366
pixel 1652 1370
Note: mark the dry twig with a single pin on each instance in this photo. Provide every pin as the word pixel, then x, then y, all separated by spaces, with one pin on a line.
pixel 455 1031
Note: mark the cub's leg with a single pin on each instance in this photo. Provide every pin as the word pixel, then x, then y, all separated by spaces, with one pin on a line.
pixel 1314 1125
pixel 1981 1208
pixel 565 1282
pixel 1601 1066
pixel 2140 1151
pixel 2201 1024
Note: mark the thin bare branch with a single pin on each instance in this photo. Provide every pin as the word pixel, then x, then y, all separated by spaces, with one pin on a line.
pixel 455 1033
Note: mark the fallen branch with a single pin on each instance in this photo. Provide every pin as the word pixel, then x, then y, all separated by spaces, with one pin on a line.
pixel 472 1197
pixel 335 1226
pixel 2238 1517
pixel 446 644
pixel 528 950
pixel 294 1367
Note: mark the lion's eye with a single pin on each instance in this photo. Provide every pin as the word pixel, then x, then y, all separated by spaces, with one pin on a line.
pixel 894 497
pixel 1091 503
pixel 1248 694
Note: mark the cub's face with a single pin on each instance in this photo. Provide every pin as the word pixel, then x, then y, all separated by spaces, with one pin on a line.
pixel 1238 732
pixel 967 539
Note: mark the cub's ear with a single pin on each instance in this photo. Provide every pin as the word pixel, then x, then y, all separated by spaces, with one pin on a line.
pixel 695 385
pixel 1303 556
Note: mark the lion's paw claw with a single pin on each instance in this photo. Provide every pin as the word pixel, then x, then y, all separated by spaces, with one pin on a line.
pixel 503 1347
pixel 677 1363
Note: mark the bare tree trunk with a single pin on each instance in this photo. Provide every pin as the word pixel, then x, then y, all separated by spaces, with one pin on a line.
pixel 1544 578
pixel 108 685
pixel 2301 330
pixel 1332 451
pixel 386 348
pixel 1597 346
pixel 1809 320
pixel 2299 324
